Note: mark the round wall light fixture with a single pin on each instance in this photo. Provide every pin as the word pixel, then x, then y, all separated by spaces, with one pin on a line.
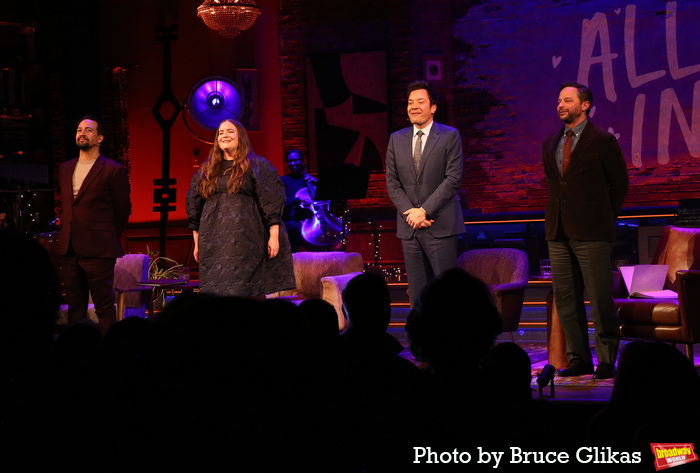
pixel 213 100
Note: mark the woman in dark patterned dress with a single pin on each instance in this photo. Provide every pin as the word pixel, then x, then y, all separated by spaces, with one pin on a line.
pixel 234 209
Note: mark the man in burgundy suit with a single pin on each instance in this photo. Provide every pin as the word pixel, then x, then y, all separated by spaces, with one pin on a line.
pixel 96 208
pixel 587 179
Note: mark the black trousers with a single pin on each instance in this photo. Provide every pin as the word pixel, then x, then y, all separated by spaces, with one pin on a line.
pixel 83 276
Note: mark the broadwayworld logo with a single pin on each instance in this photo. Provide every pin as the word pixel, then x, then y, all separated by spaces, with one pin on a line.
pixel 667 455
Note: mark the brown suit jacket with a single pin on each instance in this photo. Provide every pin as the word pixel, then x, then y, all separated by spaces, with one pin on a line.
pixel 93 222
pixel 587 199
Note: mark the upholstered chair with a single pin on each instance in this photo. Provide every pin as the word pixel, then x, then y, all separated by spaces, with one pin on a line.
pixel 323 275
pixel 506 272
pixel 669 320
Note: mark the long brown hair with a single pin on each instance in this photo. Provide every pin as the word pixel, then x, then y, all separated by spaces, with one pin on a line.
pixel 211 169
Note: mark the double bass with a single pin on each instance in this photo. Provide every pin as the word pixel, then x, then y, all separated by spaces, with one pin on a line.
pixel 321 229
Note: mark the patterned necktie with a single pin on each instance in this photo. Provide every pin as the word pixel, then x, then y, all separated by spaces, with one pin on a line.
pixel 567 152
pixel 418 149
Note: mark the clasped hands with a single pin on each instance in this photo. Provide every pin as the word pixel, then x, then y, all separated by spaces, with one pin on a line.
pixel 417 218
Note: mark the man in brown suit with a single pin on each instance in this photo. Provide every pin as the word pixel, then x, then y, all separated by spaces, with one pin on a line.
pixel 587 179
pixel 96 208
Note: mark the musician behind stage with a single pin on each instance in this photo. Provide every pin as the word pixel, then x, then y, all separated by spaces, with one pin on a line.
pixel 300 189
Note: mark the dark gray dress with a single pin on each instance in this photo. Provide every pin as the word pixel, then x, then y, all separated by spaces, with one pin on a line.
pixel 233 234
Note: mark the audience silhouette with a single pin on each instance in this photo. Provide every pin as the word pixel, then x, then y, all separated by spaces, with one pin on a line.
pixel 654 399
pixel 374 378
pixel 322 322
pixel 29 301
pixel 236 382
pixel 517 418
pixel 509 373
pixel 225 381
pixel 452 329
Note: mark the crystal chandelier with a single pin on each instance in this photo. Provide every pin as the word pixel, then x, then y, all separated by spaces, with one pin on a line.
pixel 228 17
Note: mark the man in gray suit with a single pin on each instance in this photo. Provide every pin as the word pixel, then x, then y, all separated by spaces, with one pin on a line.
pixel 423 175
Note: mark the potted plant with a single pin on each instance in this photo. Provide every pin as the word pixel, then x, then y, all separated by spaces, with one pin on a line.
pixel 160 267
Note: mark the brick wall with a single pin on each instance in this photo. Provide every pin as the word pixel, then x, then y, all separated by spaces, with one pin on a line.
pixel 308 27
pixel 486 87
pixel 508 64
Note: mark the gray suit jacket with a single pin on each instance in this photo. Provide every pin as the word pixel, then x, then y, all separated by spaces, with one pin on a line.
pixel 436 184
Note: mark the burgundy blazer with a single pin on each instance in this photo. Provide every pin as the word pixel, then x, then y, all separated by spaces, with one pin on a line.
pixel 93 222
pixel 588 197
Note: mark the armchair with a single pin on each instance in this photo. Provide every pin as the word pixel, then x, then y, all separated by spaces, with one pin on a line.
pixel 505 271
pixel 323 275
pixel 669 320
pixel 132 299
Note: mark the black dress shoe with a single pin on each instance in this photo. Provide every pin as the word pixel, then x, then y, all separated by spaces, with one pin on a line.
pixel 577 367
pixel 604 371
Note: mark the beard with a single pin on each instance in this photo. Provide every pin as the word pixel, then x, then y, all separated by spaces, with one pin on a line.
pixel 571 116
pixel 85 145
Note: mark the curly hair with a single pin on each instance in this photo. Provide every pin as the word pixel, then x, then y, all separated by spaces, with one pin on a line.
pixel 212 169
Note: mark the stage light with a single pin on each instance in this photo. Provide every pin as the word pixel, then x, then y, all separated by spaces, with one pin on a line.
pixel 213 100
pixel 545 377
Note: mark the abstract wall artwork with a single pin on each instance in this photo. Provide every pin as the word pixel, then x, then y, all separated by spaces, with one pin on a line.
pixel 347 109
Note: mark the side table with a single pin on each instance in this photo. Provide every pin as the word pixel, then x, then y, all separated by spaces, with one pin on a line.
pixel 146 289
